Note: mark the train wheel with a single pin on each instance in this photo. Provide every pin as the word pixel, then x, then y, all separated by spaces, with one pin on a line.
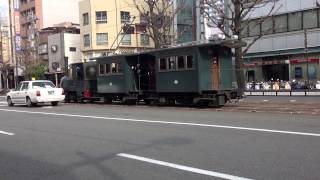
pixel 107 100
pixel 67 98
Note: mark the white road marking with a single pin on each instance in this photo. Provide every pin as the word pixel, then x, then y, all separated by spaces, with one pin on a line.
pixel 46 107
pixel 265 100
pixel 6 133
pixel 3 102
pixel 169 122
pixel 184 168
pixel 293 100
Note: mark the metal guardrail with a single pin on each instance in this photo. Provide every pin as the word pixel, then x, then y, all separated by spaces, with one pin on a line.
pixel 302 92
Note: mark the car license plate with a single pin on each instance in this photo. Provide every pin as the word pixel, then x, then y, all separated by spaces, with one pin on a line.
pixel 51 92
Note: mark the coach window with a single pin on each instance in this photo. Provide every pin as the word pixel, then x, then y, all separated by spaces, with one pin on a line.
pixel 120 70
pixel 163 64
pixel 181 62
pixel 108 68
pixel 172 63
pixel 113 68
pixel 102 69
pixel 190 62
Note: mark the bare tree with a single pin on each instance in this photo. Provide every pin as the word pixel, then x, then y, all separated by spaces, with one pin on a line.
pixel 231 17
pixel 158 16
pixel 30 65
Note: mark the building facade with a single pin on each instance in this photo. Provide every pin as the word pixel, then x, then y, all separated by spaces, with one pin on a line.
pixel 40 14
pixel 101 25
pixel 290 47
pixel 190 23
pixel 63 49
pixel 6 73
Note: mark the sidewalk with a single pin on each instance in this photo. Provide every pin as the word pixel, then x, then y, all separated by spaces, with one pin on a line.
pixel 297 92
pixel 291 107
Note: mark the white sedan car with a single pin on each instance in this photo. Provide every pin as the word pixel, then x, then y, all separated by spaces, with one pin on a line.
pixel 33 92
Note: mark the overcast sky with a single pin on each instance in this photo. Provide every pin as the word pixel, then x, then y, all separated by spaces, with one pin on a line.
pixel 4 7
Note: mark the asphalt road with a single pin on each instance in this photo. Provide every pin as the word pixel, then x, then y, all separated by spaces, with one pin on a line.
pixel 92 141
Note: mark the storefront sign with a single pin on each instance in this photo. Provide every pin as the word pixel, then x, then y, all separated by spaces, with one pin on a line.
pixel 250 65
pixel 297 61
pixel 18 42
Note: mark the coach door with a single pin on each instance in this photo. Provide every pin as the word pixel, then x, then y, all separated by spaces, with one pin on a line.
pixel 215 73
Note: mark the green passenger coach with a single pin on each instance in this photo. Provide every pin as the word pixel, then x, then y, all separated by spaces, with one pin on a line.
pixel 190 74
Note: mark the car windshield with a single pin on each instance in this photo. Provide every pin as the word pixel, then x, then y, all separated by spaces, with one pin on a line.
pixel 44 84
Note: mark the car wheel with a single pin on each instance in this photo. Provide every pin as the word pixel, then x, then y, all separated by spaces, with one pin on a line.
pixel 9 102
pixel 30 103
pixel 54 103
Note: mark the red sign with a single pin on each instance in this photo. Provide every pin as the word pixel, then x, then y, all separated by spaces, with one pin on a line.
pixel 250 65
pixel 296 61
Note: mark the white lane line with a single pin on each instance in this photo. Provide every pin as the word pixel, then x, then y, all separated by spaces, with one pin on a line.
pixel 184 168
pixel 6 133
pixel 46 107
pixel 3 102
pixel 168 122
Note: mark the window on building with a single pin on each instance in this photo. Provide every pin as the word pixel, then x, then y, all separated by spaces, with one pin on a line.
pixel 43 49
pixel 85 19
pixel 245 31
pixel 281 23
pixel 310 19
pixel 86 40
pixel 143 19
pixel 312 70
pixel 172 63
pixel 101 17
pixel 102 69
pixel 295 21
pixel 23 1
pixel 126 40
pixel 181 62
pixel 267 26
pixel 102 38
pixel 125 16
pixel 72 49
pixel 190 62
pixel 163 64
pixel 144 38
pixel 254 27
pixel 298 72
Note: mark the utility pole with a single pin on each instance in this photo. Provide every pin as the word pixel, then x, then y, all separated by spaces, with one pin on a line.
pixel 1 40
pixel 306 53
pixel 1 55
pixel 12 40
